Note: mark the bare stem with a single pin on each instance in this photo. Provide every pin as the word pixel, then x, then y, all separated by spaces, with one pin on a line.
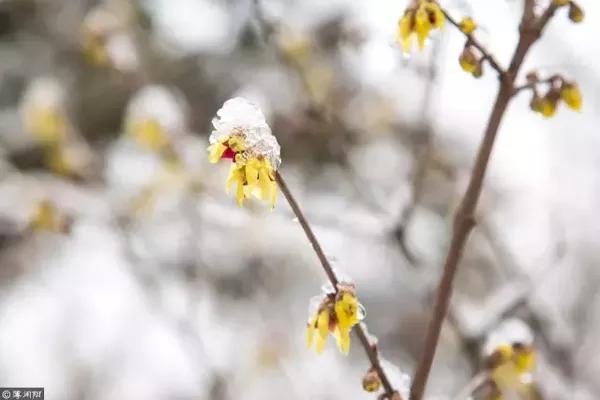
pixel 360 329
pixel 464 219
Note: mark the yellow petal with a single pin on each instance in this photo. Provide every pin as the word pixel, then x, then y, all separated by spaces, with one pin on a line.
pixel 404 31
pixel 525 361
pixel 239 193
pixel 548 108
pixel 322 330
pixel 571 95
pixel 252 174
pixel 231 178
pixel 264 182
pixel 215 152
pixel 342 338
pixel 422 26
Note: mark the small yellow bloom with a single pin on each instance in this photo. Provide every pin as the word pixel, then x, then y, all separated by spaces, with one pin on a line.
pixel 468 60
pixel 571 95
pixel 548 107
pixel 149 134
pixel 48 125
pixel 467 25
pixel 560 3
pixel 248 142
pixel 371 381
pixel 341 311
pixel 575 12
pixel 46 217
pixel 524 358
pixel 419 19
pixel 511 367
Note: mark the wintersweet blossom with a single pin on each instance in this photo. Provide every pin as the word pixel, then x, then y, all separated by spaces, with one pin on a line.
pixel 510 357
pixel 43 111
pixel 420 18
pixel 336 313
pixel 242 135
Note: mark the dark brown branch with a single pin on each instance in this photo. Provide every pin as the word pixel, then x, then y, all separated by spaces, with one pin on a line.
pixel 361 332
pixel 477 44
pixel 464 220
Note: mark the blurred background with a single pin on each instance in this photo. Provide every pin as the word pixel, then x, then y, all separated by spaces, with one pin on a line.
pixel 127 272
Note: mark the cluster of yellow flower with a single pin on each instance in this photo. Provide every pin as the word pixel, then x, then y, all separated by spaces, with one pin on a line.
pixel 105 39
pixel 242 135
pixel 510 367
pixel 336 314
pixel 45 118
pixel 419 19
pixel 560 90
pixel 509 361
pixel 46 217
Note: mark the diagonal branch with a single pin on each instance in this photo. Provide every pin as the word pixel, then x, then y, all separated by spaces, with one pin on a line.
pixel 477 44
pixel 464 220
pixel 360 329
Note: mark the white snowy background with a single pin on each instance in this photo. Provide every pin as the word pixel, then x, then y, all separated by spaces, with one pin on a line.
pixel 200 299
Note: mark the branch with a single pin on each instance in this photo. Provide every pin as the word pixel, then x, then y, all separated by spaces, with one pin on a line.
pixel 464 220
pixel 360 329
pixel 476 43
pixel 475 383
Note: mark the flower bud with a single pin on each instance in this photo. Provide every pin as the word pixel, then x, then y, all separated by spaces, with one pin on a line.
pixel 478 72
pixel 575 12
pixel 371 381
pixel 571 95
pixel 468 60
pixel 532 77
pixel 467 25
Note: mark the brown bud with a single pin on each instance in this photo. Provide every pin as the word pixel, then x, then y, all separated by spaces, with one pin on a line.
pixel 536 103
pixel 468 60
pixel 478 72
pixel 371 382
pixel 532 77
pixel 575 12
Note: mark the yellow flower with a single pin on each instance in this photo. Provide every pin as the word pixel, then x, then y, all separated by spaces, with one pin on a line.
pixel 48 125
pixel 511 366
pixel 419 19
pixel 46 217
pixel 571 95
pixel 467 25
pixel 548 107
pixel 575 12
pixel 371 381
pixel 149 134
pixel 560 3
pixel 547 104
pixel 341 311
pixel 468 60
pixel 242 135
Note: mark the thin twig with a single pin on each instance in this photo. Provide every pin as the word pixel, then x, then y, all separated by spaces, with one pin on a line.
pixel 360 329
pixel 475 383
pixel 464 220
pixel 475 43
pixel 534 85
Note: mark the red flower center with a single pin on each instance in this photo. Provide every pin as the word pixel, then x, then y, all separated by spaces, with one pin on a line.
pixel 228 153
